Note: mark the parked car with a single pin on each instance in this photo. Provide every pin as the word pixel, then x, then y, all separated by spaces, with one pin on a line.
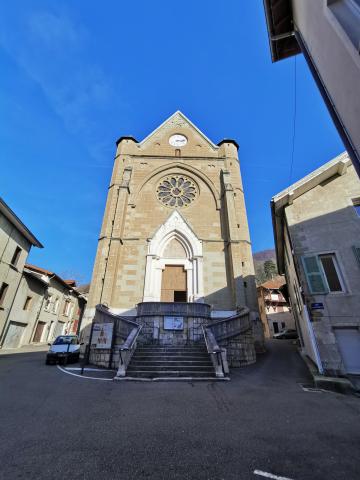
pixel 65 348
pixel 287 334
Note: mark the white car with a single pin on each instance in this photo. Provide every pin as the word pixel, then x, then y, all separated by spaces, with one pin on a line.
pixel 65 348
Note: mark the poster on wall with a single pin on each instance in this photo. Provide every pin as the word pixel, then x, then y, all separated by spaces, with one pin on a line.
pixel 102 335
pixel 173 323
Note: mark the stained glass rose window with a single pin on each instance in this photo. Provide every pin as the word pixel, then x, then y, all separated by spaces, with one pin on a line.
pixel 176 191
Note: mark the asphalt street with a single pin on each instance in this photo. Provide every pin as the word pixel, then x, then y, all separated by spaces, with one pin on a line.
pixel 58 426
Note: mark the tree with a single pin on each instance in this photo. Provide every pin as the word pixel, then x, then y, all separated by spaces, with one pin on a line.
pixel 270 269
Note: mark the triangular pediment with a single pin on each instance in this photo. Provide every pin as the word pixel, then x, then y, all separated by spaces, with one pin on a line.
pixel 177 123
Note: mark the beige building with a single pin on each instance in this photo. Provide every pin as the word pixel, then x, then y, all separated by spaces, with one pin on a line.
pixel 16 241
pixel 44 307
pixel 275 313
pixel 175 227
pixel 327 33
pixel 317 235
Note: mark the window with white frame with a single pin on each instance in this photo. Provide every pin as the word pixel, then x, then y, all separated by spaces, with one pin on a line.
pixel 67 308
pixel 47 303
pixel 323 273
pixel 55 305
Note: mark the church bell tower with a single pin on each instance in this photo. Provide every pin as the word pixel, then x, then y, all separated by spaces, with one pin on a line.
pixel 175 227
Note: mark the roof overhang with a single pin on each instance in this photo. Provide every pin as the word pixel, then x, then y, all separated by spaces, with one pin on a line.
pixel 18 224
pixel 279 202
pixel 280 25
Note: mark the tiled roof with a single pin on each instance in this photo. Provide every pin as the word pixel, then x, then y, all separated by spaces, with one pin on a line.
pixel 274 283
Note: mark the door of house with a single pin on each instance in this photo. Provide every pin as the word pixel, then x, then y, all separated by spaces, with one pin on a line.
pixel 38 332
pixel 59 329
pixel 13 335
pixel 348 340
pixel 173 284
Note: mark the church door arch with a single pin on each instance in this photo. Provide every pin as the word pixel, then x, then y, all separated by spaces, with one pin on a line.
pixel 174 263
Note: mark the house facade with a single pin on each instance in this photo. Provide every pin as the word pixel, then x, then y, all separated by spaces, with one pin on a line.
pixel 16 241
pixel 327 33
pixel 317 236
pixel 44 307
pixel 275 312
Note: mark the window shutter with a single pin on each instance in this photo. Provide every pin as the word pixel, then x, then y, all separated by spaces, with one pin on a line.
pixel 314 275
pixel 356 251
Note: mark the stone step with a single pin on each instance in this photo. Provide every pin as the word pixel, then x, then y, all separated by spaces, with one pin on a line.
pixel 160 368
pixel 173 347
pixel 169 373
pixel 171 364
pixel 170 358
pixel 171 352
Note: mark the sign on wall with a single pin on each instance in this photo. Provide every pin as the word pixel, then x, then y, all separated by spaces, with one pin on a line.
pixel 102 335
pixel 173 323
pixel 317 306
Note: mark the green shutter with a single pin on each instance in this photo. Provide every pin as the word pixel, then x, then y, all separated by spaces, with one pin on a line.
pixel 314 275
pixel 356 251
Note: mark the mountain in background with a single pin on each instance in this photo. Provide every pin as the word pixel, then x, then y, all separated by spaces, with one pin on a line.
pixel 265 265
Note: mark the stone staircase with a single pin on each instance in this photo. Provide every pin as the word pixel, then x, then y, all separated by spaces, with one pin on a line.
pixel 165 361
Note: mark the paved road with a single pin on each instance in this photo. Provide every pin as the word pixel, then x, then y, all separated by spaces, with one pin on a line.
pixel 56 426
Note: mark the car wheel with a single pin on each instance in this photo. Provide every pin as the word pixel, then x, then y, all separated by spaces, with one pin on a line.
pixel 47 362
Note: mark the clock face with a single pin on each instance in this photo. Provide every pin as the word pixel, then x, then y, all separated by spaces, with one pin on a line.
pixel 178 140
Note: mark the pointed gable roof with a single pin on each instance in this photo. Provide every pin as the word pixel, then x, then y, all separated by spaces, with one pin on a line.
pixel 178 119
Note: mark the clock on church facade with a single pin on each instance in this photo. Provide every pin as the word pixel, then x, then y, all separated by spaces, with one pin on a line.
pixel 175 227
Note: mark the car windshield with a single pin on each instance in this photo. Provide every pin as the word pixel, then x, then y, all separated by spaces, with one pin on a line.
pixel 65 340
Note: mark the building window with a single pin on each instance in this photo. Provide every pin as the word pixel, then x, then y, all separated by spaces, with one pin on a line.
pixel 27 303
pixel 55 305
pixel 3 290
pixel 16 256
pixel 66 309
pixel 323 273
pixel 356 204
pixel 347 13
pixel 48 303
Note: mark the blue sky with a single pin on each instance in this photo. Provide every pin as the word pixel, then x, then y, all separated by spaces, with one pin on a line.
pixel 75 76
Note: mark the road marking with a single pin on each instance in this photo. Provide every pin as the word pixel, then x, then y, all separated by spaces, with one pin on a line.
pixel 270 475
pixel 87 369
pixel 83 376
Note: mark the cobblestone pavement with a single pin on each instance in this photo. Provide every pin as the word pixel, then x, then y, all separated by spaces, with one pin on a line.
pixel 55 425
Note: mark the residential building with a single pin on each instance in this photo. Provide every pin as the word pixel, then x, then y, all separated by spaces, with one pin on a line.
pixel 175 236
pixel 327 32
pixel 317 238
pixel 275 312
pixel 16 241
pixel 44 307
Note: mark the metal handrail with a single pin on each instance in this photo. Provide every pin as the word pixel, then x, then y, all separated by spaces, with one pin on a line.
pixel 233 317
pixel 103 309
pixel 131 339
pixel 207 333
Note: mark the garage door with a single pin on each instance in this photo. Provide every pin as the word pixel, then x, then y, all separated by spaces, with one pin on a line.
pixel 59 329
pixel 13 335
pixel 349 345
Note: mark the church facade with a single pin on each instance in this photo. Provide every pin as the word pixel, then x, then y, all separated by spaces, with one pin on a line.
pixel 175 228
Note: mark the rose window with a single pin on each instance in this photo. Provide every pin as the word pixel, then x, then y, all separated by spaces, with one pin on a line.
pixel 176 191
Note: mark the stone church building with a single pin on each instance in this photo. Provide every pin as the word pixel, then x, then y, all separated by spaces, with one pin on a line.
pixel 174 238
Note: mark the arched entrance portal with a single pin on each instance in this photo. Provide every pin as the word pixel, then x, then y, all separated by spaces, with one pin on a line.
pixel 174 264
